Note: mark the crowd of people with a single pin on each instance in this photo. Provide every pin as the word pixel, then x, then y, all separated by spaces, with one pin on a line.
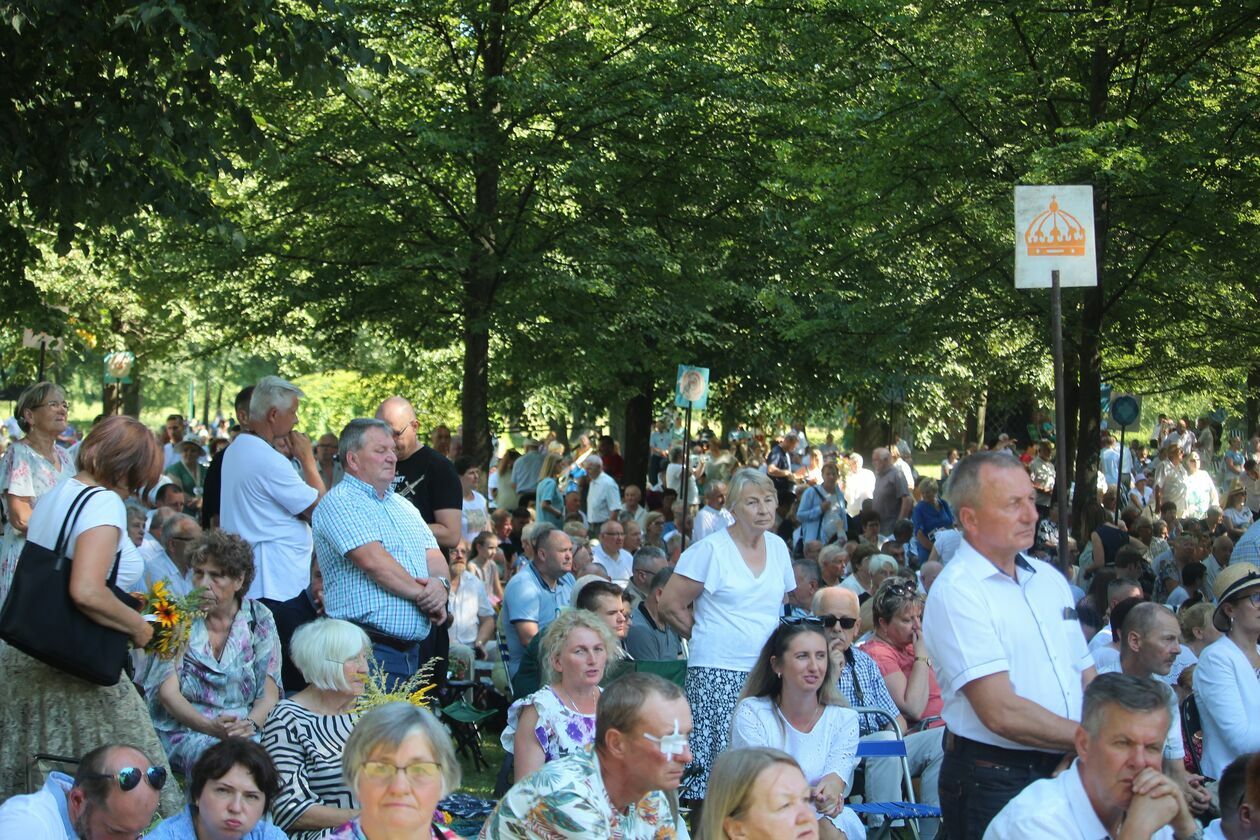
pixel 722 651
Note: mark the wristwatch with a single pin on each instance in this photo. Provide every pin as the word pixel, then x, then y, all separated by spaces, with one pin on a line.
pixel 446 583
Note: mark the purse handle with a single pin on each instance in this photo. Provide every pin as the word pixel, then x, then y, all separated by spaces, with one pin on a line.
pixel 72 519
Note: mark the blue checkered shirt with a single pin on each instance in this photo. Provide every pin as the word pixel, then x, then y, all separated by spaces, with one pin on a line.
pixel 873 691
pixel 352 515
pixel 1248 548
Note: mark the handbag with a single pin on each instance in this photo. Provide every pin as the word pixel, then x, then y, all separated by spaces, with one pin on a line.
pixel 40 619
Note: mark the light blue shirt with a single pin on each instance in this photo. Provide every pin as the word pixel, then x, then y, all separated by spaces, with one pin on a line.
pixel 40 816
pixel 180 827
pixel 1247 549
pixel 528 598
pixel 350 516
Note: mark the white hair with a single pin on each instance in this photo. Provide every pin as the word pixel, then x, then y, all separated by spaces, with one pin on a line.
pixel 857 459
pixel 321 647
pixel 879 562
pixel 272 392
pixel 596 460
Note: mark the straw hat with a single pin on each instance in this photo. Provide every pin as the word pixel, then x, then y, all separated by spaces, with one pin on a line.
pixel 1231 581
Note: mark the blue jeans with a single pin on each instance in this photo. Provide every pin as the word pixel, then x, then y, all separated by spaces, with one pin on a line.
pixel 399 665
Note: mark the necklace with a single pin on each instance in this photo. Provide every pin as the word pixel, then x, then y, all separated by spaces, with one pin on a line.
pixel 813 721
pixel 568 701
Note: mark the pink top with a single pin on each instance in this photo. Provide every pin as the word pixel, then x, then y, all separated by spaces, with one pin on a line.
pixel 890 659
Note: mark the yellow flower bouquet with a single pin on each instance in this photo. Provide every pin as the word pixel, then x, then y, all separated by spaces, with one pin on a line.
pixel 171 616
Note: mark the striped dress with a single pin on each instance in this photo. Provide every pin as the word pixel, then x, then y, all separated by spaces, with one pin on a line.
pixel 306 747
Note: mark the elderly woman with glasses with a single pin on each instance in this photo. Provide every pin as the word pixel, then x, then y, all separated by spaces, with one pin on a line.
pixel 306 733
pixel 398 762
pixel 30 468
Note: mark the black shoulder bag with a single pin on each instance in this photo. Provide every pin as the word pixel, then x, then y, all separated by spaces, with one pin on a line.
pixel 40 619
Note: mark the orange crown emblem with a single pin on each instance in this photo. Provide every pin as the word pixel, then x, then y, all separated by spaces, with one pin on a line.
pixel 1055 233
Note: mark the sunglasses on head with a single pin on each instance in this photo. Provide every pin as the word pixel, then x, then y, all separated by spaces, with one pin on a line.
pixel 129 777
pixel 827 621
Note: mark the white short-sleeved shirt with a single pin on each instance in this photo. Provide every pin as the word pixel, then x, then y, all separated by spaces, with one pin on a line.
pixel 946 543
pixel 619 568
pixel 979 622
pixel 736 612
pixel 261 499
pixel 603 499
pixel 1058 808
pixel 104 507
pixel 468 605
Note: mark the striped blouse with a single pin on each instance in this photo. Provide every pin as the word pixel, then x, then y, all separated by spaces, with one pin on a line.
pixel 306 747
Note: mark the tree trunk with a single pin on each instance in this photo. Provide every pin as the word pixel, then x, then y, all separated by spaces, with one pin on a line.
pixel 870 431
pixel 1253 402
pixel 635 449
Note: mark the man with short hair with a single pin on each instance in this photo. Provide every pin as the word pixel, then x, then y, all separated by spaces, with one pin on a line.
pixel 799 603
pixel 1169 479
pixel 632 505
pixel 424 476
pixel 330 471
pixel 891 497
pixel 714 516
pixel 1041 473
pixel 535 594
pixel 779 467
pixel 264 501
pixel 603 498
pixel 175 430
pixel 525 473
pixel 650 637
pixel 178 531
pixel 151 546
pixel 382 566
pixel 623 787
pixel 991 606
pixel 1150 643
pixel 169 495
pixel 1201 493
pixel 1221 556
pixel 1238 821
pixel 1114 788
pixel 613 464
pixel 92 805
pixel 608 552
pixel 862 684
pixel 1119 590
pixel 928 574
pixel 859 485
pixel 646 563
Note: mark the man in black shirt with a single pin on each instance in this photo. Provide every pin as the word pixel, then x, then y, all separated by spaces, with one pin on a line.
pixel 210 501
pixel 424 476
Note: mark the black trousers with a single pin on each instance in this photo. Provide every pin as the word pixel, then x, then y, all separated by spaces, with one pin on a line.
pixel 977 780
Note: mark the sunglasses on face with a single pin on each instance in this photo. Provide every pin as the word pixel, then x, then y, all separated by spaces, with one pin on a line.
pixel 129 777
pixel 827 621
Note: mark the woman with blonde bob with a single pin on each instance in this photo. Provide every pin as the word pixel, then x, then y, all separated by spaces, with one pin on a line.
pixel 792 702
pixel 306 734
pixel 559 718
pixel 398 763
pixel 757 794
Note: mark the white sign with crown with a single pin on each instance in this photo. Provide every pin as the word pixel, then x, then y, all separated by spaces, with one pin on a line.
pixel 1054 230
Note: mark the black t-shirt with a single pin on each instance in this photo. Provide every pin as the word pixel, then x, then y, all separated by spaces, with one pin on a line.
pixel 211 489
pixel 428 480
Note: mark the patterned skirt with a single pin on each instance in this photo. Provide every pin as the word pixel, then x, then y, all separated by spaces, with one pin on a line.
pixel 712 693
pixel 44 710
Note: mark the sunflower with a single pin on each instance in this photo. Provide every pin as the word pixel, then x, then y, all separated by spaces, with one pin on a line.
pixel 159 591
pixel 167 614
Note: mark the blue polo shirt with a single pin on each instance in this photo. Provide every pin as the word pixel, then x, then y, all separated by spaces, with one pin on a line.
pixel 527 597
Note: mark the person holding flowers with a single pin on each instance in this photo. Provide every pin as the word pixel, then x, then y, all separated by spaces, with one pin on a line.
pixel 43 709
pixel 227 679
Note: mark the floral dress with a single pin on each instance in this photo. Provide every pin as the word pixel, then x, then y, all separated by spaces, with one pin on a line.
pixel 353 830
pixel 228 685
pixel 560 730
pixel 24 472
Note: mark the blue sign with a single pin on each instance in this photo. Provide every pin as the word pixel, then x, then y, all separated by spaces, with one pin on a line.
pixel 692 388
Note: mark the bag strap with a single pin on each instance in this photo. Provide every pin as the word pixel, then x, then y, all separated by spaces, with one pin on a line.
pixel 72 517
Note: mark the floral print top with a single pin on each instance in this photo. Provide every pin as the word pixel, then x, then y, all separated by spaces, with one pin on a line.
pixel 560 730
pixel 354 831
pixel 26 473
pixel 567 799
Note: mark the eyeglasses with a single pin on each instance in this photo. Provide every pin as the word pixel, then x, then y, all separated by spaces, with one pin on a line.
pixel 418 771
pixel 801 620
pixel 129 777
pixel 62 404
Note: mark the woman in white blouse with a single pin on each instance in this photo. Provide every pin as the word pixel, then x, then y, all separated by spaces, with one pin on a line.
pixel 736 579
pixel 1227 678
pixel 792 702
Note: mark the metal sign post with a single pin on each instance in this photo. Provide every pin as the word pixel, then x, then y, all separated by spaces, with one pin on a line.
pixel 1060 405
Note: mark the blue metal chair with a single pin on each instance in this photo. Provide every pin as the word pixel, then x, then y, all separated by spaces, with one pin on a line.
pixel 907 810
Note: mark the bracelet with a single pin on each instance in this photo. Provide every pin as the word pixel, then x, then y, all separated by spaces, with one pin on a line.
pixel 257 728
pixel 923 659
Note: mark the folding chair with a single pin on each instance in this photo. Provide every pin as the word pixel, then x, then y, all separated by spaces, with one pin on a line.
pixel 1192 734
pixel 464 718
pixel 907 810
pixel 674 670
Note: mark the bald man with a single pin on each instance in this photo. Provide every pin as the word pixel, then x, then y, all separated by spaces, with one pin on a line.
pixel 424 476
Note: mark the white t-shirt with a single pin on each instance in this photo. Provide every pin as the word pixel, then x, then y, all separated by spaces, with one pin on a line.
pixel 475 516
pixel 736 612
pixel 261 499
pixel 105 507
pixel 619 568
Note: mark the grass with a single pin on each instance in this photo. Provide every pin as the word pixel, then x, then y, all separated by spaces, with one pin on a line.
pixel 481 782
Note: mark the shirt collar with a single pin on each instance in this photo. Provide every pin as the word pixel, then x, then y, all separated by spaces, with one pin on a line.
pixel 58 785
pixel 364 488
pixel 980 566
pixel 1091 828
